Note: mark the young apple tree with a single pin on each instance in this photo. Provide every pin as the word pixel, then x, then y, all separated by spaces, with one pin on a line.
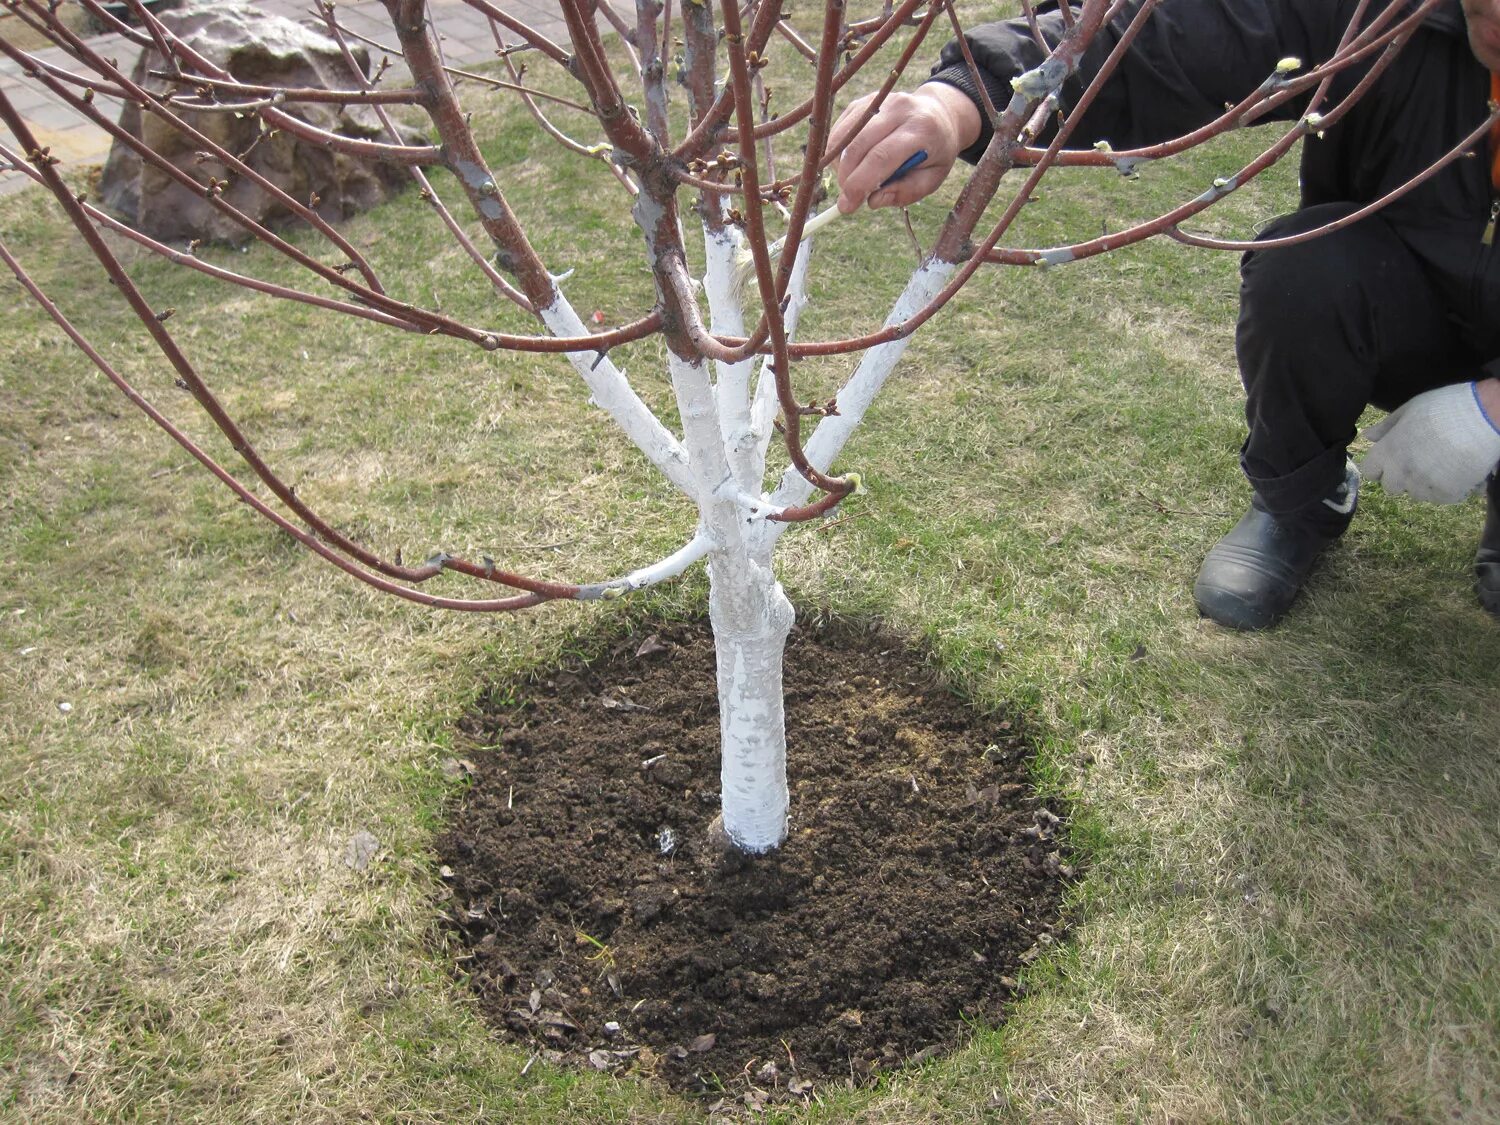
pixel 731 336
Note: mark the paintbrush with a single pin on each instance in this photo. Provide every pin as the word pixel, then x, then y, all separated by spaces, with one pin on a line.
pixel 744 260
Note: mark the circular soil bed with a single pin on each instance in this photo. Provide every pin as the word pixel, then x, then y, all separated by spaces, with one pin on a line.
pixel 604 929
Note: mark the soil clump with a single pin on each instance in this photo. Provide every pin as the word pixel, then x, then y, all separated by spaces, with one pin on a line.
pixel 604 928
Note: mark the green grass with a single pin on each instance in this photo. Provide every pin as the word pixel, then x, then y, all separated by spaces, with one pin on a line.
pixel 1291 904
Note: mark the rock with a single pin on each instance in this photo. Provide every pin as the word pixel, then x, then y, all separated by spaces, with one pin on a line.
pixel 264 49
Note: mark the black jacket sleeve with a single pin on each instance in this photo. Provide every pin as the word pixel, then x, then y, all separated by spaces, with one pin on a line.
pixel 1192 58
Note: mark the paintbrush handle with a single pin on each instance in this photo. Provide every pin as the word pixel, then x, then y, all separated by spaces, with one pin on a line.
pixel 910 164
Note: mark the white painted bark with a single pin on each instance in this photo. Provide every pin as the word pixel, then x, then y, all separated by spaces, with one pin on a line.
pixel 727 318
pixel 751 617
pixel 614 394
pixel 652 574
pixel 720 463
pixel 857 393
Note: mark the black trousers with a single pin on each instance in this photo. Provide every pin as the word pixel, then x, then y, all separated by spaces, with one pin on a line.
pixel 1373 314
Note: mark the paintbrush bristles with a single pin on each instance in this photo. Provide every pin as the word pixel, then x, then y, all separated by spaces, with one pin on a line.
pixel 744 260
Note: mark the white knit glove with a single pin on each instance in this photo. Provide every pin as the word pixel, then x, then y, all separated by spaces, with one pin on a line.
pixel 1440 446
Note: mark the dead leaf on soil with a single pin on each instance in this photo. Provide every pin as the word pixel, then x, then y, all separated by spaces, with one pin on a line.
pixel 799 1086
pixel 456 769
pixel 361 850
pixel 703 1043
pixel 651 646
pixel 610 703
pixel 602 1060
pixel 989 795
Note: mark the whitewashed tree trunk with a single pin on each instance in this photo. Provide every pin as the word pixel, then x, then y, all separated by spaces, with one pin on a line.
pixel 751 618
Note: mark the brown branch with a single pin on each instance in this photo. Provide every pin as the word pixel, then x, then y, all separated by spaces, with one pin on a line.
pixel 515 255
pixel 1225 185
pixel 208 87
pixel 704 134
pixel 546 124
pixel 896 73
pixel 528 91
pixel 533 37
pixel 651 67
pixel 628 35
pixel 789 33
pixel 1269 96
pixel 151 102
pixel 191 261
pixel 503 287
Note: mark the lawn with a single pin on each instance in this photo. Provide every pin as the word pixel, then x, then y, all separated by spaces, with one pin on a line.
pixel 1291 901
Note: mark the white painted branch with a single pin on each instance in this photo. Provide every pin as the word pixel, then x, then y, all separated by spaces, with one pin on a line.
pixel 613 394
pixel 727 318
pixel 700 431
pixel 763 409
pixel 855 396
pixel 651 575
pixel 754 507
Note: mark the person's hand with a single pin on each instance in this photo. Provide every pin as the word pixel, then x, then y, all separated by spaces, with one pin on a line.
pixel 1440 446
pixel 936 117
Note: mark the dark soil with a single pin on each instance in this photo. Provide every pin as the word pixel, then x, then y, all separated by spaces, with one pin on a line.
pixel 604 928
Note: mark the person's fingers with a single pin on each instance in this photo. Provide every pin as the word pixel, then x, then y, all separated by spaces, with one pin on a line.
pixel 843 129
pixel 856 156
pixel 879 163
pixel 910 187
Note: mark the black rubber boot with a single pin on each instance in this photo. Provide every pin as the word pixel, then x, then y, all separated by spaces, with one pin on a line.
pixel 1251 576
pixel 1487 561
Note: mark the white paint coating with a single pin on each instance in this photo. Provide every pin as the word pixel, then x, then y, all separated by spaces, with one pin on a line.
pixel 751 617
pixel 727 318
pixel 856 395
pixel 613 394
